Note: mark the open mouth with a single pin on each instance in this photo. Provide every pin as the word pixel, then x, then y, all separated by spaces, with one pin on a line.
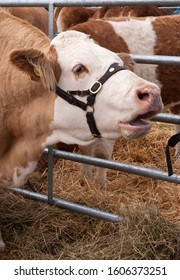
pixel 135 125
pixel 138 125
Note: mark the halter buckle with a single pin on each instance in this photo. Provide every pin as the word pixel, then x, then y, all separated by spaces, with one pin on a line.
pixel 95 88
pixel 79 92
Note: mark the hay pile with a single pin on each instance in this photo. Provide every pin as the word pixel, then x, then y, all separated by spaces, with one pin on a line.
pixel 150 230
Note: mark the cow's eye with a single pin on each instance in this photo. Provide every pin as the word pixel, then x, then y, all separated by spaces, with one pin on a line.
pixel 78 69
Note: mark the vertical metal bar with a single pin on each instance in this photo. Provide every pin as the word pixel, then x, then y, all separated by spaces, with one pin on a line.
pixel 50 149
pixel 50 175
pixel 51 20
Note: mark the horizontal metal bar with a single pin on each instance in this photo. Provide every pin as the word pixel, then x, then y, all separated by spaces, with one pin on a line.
pixel 128 168
pixel 156 59
pixel 71 206
pixel 167 118
pixel 169 7
pixel 89 2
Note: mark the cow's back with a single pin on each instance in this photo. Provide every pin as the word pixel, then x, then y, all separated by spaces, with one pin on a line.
pixel 67 17
pixel 101 31
pixel 37 16
pixel 15 34
pixel 14 28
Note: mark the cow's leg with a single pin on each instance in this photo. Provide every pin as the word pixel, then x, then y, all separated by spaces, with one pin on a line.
pixel 86 169
pixel 20 161
pixel 16 165
pixel 2 244
pixel 101 149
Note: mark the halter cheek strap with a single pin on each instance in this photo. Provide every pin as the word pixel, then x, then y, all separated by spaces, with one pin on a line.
pixel 91 96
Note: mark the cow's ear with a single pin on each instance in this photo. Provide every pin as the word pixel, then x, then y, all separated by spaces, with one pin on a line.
pixel 127 60
pixel 36 65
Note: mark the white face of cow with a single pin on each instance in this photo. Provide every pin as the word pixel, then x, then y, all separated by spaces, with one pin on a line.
pixel 120 106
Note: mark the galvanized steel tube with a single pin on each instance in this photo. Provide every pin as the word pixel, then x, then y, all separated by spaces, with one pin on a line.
pixel 128 168
pixel 71 206
pixel 51 21
pixel 167 118
pixel 90 3
pixel 156 59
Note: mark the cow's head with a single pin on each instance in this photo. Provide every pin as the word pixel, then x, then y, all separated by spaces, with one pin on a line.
pixel 74 63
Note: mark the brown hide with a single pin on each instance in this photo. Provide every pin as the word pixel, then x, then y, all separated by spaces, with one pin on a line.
pixel 71 16
pixel 133 11
pixel 143 11
pixel 167 43
pixel 107 11
pixel 26 106
pixel 101 31
pixel 36 16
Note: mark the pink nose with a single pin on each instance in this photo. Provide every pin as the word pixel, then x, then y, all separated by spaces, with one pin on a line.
pixel 150 98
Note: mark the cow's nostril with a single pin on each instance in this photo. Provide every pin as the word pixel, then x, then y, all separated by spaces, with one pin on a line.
pixel 144 96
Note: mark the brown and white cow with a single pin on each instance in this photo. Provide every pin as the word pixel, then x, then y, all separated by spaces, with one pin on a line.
pixel 67 17
pixel 129 11
pixel 37 16
pixel 33 116
pixel 151 36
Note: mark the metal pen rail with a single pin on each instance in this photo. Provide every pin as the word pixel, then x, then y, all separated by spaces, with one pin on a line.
pixel 90 3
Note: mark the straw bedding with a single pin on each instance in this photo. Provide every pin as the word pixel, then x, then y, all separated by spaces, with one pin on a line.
pixel 151 211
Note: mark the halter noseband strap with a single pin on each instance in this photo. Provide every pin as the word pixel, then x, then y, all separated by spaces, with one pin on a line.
pixel 91 96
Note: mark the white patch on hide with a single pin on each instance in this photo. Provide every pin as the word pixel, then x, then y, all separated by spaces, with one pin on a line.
pixel 63 126
pixel 58 22
pixel 140 39
pixel 21 173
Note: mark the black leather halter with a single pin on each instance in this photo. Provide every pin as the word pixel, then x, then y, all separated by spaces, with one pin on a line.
pixel 91 96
